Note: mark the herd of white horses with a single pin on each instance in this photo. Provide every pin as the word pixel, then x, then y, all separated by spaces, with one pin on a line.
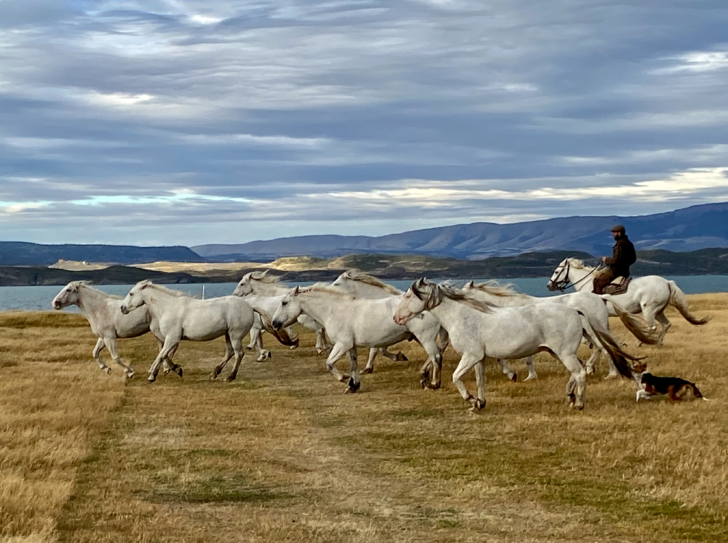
pixel 480 321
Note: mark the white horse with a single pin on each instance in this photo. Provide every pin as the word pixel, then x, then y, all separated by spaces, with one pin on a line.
pixel 648 295
pixel 363 285
pixel 108 324
pixel 349 322
pixel 479 330
pixel 181 317
pixel 588 304
pixel 262 284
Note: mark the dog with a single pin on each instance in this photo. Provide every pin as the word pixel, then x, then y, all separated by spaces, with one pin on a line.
pixel 651 385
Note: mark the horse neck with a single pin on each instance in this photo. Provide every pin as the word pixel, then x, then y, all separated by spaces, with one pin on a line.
pixel 451 313
pixel 370 291
pixel 161 298
pixel 91 301
pixel 319 307
pixel 268 289
pixel 575 278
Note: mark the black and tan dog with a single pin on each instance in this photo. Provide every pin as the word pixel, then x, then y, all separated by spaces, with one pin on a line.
pixel 651 385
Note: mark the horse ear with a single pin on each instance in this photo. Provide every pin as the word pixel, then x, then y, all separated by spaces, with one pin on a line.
pixel 296 290
pixel 73 286
pixel 470 284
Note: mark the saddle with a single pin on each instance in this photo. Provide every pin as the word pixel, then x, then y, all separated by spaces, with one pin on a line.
pixel 617 286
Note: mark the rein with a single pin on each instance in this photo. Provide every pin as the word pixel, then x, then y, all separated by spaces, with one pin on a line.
pixel 564 283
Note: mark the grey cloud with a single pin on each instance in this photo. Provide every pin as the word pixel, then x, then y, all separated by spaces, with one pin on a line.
pixel 225 99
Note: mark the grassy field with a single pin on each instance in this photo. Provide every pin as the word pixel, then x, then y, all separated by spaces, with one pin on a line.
pixel 282 455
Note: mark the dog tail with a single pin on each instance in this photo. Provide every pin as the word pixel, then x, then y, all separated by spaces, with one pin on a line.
pixel 697 393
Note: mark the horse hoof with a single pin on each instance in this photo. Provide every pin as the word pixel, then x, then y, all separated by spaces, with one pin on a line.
pixel 129 374
pixel 179 371
pixel 248 348
pixel 514 378
pixel 367 371
pixel 423 383
pixel 344 378
pixel 230 378
pixel 214 374
pixel 477 406
pixel 353 387
pixel 151 379
pixel 529 378
pixel 107 370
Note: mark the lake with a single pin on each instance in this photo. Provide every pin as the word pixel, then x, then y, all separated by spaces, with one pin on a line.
pixel 39 298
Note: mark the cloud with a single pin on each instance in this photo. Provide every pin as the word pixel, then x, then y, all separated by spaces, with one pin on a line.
pixel 179 122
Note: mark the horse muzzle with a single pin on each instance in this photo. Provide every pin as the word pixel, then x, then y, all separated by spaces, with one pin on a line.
pixel 56 305
pixel 124 310
pixel 277 325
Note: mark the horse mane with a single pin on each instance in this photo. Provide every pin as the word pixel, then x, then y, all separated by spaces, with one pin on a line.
pixel 323 288
pixel 177 293
pixel 87 284
pixel 261 276
pixel 494 288
pixel 438 292
pixel 578 264
pixel 361 277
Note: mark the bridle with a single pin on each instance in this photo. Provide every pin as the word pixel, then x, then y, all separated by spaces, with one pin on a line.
pixel 563 284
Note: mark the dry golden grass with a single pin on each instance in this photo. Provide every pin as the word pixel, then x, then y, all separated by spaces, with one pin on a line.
pixel 283 455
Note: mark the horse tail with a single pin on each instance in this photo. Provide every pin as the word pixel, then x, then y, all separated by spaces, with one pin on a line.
pixel 680 302
pixel 594 329
pixel 443 339
pixel 281 335
pixel 637 327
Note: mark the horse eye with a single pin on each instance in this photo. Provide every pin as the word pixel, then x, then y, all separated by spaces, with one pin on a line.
pixel 284 303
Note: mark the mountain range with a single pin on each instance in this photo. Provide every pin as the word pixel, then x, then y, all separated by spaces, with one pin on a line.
pixel 683 230
pixel 688 229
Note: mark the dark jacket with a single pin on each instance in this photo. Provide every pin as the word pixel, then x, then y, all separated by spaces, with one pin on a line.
pixel 623 256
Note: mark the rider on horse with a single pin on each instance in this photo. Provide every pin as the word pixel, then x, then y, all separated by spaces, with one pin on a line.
pixel 623 256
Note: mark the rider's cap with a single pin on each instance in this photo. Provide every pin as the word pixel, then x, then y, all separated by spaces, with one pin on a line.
pixel 618 228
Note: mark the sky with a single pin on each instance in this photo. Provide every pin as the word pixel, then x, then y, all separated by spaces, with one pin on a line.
pixel 176 122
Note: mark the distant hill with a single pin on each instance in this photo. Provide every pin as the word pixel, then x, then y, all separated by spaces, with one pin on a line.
pixel 657 262
pixel 689 229
pixel 18 253
pixel 113 275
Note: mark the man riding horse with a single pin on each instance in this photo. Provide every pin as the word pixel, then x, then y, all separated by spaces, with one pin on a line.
pixel 623 256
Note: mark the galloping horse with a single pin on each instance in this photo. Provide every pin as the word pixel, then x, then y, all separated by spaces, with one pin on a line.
pixel 109 324
pixel 649 295
pixel 584 302
pixel 181 317
pixel 479 330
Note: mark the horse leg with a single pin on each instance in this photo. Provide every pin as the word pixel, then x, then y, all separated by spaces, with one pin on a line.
pixel 229 352
pixel 337 351
pixel 111 346
pixel 291 333
pixel 434 361
pixel 321 344
pixel 169 346
pixel 480 383
pixel 466 362
pixel 168 365
pixel 237 344
pixel 263 354
pixel 255 338
pixel 649 312
pixel 97 355
pixel 666 324
pixel 394 357
pixel 370 361
pixel 507 370
pixel 531 369
pixel 576 387
pixel 353 382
